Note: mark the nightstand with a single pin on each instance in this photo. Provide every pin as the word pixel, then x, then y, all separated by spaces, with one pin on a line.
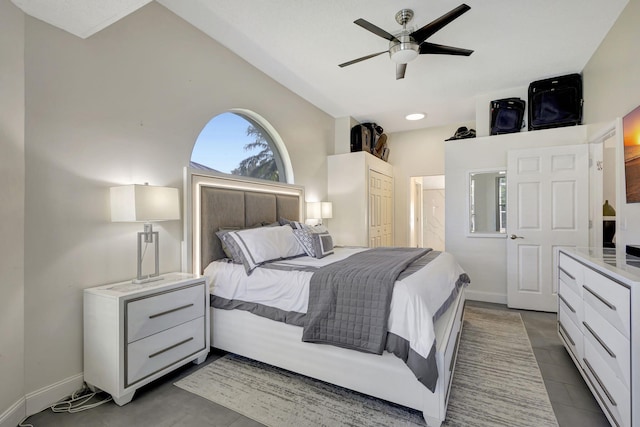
pixel 135 333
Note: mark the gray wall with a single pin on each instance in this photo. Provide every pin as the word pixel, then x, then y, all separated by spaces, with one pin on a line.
pixel 125 106
pixel 11 206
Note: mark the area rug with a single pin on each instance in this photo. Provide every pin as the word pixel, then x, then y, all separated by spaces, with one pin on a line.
pixel 497 382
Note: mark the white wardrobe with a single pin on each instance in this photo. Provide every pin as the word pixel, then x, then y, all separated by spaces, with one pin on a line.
pixel 360 186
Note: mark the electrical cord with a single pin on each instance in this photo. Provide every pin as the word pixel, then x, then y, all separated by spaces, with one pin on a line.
pixel 77 402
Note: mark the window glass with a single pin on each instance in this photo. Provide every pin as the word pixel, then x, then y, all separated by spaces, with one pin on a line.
pixel 236 143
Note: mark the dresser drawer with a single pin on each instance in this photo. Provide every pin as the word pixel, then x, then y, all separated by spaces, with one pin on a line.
pixel 611 392
pixel 611 299
pixel 149 315
pixel 609 343
pixel 152 354
pixel 571 333
pixel 571 272
pixel 571 301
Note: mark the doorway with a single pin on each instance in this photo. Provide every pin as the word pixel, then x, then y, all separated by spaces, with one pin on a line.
pixel 427 218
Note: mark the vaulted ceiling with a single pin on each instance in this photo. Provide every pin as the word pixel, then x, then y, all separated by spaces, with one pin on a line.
pixel 300 43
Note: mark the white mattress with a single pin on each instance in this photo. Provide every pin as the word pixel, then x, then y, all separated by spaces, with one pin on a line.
pixel 414 301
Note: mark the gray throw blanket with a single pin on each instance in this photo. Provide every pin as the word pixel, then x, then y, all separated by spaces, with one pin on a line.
pixel 349 300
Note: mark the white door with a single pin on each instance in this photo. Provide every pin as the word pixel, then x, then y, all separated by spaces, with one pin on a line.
pixel 547 209
pixel 380 210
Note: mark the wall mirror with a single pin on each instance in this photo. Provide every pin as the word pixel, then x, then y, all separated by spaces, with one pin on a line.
pixel 487 203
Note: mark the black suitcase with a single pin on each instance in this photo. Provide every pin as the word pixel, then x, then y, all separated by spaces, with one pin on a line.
pixel 507 115
pixel 360 138
pixel 376 132
pixel 555 102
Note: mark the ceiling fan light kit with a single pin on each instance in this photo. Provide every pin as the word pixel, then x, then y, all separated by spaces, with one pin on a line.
pixel 403 51
pixel 405 46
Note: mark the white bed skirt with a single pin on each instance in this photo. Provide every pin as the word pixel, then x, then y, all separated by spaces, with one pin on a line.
pixel 386 376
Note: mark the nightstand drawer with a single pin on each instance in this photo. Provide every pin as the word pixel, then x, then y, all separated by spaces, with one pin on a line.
pixel 159 351
pixel 149 315
pixel 611 299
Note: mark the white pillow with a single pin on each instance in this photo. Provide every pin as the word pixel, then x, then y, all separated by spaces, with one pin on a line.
pixel 259 245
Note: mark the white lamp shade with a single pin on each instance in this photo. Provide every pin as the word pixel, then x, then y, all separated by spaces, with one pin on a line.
pixel 314 210
pixel 326 210
pixel 144 203
pixel 319 210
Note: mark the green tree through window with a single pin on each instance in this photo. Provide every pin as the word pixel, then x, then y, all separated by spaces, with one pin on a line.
pixel 237 144
pixel 262 164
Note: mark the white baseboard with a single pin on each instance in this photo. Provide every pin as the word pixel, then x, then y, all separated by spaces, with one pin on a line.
pixel 485 296
pixel 16 413
pixel 47 396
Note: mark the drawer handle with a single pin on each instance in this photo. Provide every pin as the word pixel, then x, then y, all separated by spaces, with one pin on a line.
pixel 153 316
pixel 602 300
pixel 157 353
pixel 566 303
pixel 586 362
pixel 564 331
pixel 567 273
pixel 455 351
pixel 607 349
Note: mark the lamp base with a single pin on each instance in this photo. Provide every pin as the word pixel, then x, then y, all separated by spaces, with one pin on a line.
pixel 147 279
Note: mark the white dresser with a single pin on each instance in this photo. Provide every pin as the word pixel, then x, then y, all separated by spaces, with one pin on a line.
pixel 598 301
pixel 135 333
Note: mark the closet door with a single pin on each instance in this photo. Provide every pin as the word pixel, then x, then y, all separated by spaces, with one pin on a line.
pixel 380 209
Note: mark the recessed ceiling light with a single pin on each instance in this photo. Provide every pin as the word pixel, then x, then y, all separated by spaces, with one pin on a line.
pixel 415 116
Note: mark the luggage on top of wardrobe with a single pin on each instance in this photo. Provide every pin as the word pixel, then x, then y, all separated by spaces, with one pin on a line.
pixel 361 138
pixel 555 102
pixel 507 115
pixel 364 137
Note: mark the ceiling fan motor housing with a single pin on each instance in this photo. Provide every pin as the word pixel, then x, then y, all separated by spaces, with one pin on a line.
pixel 404 49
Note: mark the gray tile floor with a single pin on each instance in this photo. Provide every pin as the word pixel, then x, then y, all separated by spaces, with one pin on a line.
pixel 572 402
pixel 162 404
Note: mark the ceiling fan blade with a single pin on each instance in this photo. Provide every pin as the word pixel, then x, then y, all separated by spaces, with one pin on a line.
pixel 362 59
pixel 375 29
pixel 400 69
pixel 432 27
pixel 438 49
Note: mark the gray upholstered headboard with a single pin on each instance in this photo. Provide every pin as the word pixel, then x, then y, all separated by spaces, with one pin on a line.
pixel 223 201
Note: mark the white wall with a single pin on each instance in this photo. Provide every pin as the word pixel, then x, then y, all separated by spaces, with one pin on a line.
pixel 612 89
pixel 11 214
pixel 125 106
pixel 415 153
pixel 483 258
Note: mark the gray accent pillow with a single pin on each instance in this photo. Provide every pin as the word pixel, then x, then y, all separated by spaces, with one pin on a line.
pixel 316 243
pixel 231 252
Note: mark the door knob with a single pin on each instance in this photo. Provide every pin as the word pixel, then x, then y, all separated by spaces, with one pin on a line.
pixel 513 237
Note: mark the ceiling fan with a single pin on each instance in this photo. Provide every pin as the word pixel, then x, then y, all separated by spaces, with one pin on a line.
pixel 406 46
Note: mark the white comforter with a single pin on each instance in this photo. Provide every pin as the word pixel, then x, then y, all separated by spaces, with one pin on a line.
pixel 414 301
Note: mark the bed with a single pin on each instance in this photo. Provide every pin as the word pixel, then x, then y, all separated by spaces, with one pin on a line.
pixel 216 202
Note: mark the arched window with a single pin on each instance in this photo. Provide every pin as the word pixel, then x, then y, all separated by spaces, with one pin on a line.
pixel 240 142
